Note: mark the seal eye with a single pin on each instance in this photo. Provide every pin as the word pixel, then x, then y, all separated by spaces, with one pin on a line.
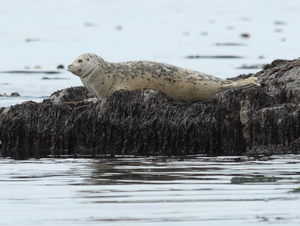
pixel 80 61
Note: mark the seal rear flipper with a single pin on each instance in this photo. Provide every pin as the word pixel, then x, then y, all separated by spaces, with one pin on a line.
pixel 243 84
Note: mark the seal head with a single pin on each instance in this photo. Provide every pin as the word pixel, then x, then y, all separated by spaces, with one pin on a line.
pixel 91 69
pixel 84 65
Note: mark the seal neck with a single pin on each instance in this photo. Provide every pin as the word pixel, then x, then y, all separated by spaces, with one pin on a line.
pixel 97 79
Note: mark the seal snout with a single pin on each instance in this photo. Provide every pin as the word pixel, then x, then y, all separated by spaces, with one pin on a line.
pixel 69 67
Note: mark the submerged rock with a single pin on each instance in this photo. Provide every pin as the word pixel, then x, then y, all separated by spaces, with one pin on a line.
pixel 215 57
pixel 256 121
pixel 60 66
pixel 14 94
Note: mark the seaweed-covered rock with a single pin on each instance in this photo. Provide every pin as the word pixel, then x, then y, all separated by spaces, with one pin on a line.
pixel 69 95
pixel 263 120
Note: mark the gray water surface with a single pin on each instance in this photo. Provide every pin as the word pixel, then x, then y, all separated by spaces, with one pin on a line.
pixel 151 191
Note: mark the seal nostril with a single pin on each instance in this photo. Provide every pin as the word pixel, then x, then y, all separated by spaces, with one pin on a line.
pixel 69 67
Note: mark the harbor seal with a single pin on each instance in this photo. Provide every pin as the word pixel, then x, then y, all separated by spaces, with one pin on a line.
pixel 102 78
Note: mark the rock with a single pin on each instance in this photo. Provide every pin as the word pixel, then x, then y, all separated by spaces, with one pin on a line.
pixel 60 66
pixel 31 72
pixel 230 44
pixel 275 63
pixel 204 33
pixel 279 22
pixel 15 94
pixel 260 121
pixel 89 24
pixel 53 78
pixel 72 94
pixel 214 57
pixel 255 66
pixel 245 35
pixel 32 40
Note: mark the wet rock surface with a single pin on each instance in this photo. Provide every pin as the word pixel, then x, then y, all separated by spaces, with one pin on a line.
pixel 263 120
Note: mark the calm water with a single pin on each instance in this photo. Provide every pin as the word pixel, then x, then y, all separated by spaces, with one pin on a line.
pixel 151 191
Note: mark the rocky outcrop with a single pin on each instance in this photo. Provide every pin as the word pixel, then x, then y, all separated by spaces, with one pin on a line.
pixel 71 122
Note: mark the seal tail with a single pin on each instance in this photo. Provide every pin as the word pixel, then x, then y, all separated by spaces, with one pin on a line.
pixel 243 84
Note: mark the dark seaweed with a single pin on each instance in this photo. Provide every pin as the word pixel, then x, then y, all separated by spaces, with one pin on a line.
pixel 256 121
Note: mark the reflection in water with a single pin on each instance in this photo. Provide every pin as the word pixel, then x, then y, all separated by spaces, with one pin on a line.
pixel 145 170
pixel 164 191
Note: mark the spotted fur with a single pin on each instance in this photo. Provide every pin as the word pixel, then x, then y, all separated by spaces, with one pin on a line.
pixel 102 78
